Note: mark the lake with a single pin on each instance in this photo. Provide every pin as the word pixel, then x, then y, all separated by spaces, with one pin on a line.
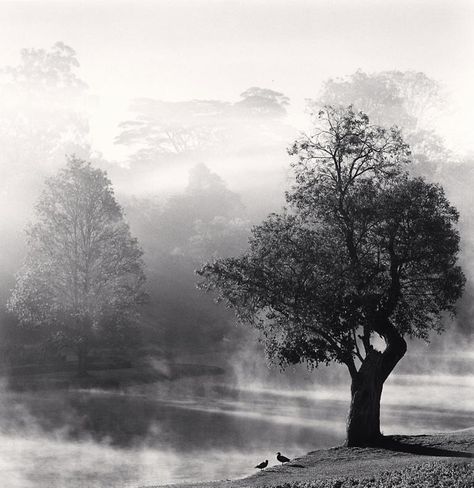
pixel 206 427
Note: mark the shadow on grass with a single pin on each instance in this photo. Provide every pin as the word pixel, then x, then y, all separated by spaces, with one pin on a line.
pixel 393 444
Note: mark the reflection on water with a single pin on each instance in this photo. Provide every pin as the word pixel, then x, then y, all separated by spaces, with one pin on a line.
pixel 196 430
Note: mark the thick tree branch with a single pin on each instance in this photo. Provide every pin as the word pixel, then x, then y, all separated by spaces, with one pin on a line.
pixel 396 345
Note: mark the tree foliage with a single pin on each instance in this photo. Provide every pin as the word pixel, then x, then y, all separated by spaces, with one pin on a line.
pixel 54 68
pixel 407 99
pixel 416 103
pixel 262 102
pixel 363 250
pixel 206 219
pixel 83 274
pixel 43 104
pixel 162 131
pixel 43 115
pixel 172 127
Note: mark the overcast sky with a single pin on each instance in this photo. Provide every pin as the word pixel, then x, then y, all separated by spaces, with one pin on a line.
pixel 178 49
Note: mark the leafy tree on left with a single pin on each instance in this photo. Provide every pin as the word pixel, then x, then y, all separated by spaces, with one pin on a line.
pixel 83 277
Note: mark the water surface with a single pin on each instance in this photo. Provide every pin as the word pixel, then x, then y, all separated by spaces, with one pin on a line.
pixel 200 428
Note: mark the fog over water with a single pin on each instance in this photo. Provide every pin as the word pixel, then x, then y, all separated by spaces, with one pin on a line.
pixel 190 106
pixel 209 427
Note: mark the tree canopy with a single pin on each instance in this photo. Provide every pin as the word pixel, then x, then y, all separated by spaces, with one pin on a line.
pixel 83 274
pixel 363 250
pixel 43 115
pixel 408 99
pixel 262 102
pixel 160 131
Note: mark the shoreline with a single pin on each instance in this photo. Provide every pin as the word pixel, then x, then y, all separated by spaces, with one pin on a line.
pixel 398 453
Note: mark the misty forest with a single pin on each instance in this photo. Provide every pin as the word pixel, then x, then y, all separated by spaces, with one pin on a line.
pixel 217 276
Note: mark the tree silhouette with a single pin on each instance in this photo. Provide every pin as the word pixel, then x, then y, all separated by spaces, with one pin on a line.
pixel 364 251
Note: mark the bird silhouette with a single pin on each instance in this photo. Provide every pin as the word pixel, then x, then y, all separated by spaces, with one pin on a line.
pixel 282 459
pixel 262 465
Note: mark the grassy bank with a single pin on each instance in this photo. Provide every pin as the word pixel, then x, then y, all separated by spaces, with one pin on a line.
pixel 426 475
pixel 427 461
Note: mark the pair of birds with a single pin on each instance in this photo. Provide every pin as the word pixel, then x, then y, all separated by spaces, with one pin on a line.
pixel 282 459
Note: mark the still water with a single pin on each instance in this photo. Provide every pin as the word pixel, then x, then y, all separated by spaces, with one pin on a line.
pixel 201 428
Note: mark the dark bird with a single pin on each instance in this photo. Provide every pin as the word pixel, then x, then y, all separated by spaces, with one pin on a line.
pixel 282 459
pixel 262 465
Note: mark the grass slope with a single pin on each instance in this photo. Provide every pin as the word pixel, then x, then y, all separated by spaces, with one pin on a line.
pixel 439 460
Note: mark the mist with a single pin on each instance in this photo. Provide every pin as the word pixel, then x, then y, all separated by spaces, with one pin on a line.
pixel 191 110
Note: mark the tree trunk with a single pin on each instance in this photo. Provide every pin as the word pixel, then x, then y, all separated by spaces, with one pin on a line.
pixel 363 423
pixel 82 362
pixel 84 326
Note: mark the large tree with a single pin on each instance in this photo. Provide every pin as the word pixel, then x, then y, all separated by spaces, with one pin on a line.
pixel 364 252
pixel 83 276
pixel 418 105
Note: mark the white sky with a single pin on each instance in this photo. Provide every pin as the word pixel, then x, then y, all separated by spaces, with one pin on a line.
pixel 179 49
